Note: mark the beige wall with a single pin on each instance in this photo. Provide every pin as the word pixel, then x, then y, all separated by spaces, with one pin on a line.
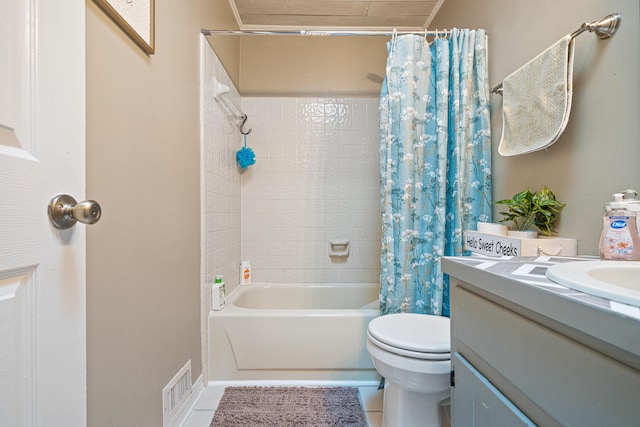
pixel 143 165
pixel 310 66
pixel 598 153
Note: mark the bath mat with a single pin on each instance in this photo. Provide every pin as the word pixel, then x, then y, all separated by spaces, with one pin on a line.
pixel 289 407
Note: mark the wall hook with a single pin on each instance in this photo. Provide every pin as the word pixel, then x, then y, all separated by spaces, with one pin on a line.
pixel 244 120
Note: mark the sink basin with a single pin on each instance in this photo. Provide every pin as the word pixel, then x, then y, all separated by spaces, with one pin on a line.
pixel 616 280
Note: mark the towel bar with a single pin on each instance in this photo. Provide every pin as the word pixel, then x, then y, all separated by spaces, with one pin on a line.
pixel 604 29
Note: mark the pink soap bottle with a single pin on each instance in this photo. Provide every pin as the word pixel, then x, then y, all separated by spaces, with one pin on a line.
pixel 619 239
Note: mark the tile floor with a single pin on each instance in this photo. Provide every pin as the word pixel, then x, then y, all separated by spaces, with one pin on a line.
pixel 205 407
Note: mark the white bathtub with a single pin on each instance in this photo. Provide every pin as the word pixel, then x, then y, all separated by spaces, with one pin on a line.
pixel 293 332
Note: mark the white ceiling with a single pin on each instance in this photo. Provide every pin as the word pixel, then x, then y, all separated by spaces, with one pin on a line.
pixel 332 14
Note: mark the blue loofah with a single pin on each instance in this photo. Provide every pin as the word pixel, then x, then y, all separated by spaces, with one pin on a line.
pixel 245 156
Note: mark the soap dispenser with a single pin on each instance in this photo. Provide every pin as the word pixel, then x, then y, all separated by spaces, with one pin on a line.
pixel 619 239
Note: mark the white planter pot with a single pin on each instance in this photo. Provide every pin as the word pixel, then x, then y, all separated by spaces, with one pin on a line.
pixel 492 228
pixel 529 234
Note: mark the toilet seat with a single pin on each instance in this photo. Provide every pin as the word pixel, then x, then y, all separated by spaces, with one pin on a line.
pixel 418 336
pixel 409 353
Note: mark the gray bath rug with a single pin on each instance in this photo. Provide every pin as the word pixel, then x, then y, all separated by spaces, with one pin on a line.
pixel 289 407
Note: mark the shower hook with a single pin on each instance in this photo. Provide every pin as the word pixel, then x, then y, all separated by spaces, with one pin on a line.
pixel 244 119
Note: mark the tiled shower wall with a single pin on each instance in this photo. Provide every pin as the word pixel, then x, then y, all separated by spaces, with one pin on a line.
pixel 221 177
pixel 315 181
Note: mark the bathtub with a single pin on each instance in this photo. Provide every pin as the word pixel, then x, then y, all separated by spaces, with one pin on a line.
pixel 293 332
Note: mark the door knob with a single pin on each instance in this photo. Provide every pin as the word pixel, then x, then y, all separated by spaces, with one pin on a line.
pixel 64 211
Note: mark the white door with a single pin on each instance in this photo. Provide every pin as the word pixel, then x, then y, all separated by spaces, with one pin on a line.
pixel 42 269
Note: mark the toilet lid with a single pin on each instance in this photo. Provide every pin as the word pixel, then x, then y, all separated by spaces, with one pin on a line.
pixel 414 332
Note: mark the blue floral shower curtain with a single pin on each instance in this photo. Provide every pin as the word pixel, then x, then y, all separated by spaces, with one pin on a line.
pixel 435 163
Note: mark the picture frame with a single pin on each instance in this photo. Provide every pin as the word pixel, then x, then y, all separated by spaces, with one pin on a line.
pixel 135 17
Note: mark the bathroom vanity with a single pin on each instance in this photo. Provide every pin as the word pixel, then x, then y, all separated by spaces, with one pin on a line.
pixel 527 351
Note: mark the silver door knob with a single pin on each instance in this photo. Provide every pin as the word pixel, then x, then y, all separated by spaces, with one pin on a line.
pixel 64 211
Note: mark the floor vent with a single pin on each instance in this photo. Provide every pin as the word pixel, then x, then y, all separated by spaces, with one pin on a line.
pixel 175 394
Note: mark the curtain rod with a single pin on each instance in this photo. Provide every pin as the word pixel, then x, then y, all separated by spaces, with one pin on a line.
pixel 322 33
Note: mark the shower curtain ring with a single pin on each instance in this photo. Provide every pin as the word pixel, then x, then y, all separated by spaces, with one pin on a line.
pixel 244 120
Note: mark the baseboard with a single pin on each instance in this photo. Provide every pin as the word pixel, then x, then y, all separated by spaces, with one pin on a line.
pixel 298 383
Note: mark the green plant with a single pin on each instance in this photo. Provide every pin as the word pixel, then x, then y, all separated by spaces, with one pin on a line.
pixel 527 209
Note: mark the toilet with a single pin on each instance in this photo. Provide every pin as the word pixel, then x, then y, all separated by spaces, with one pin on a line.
pixel 413 354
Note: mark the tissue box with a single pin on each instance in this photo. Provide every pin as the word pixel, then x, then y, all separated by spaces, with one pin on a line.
pixel 496 245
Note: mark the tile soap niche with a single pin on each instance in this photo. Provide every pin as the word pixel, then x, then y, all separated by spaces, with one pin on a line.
pixel 338 248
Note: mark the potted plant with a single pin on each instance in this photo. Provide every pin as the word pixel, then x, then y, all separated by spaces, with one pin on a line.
pixel 527 209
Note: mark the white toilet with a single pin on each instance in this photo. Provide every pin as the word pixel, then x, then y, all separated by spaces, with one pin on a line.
pixel 413 353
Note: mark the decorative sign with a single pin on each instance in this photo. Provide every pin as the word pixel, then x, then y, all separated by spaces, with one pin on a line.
pixel 496 245
pixel 490 244
pixel 135 17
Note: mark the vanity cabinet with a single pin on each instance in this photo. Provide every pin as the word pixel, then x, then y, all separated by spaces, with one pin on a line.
pixel 479 403
pixel 516 363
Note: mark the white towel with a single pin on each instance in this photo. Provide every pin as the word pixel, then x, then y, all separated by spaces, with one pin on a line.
pixel 537 100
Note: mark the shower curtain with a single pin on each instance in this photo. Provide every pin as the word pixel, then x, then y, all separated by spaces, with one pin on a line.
pixel 435 163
